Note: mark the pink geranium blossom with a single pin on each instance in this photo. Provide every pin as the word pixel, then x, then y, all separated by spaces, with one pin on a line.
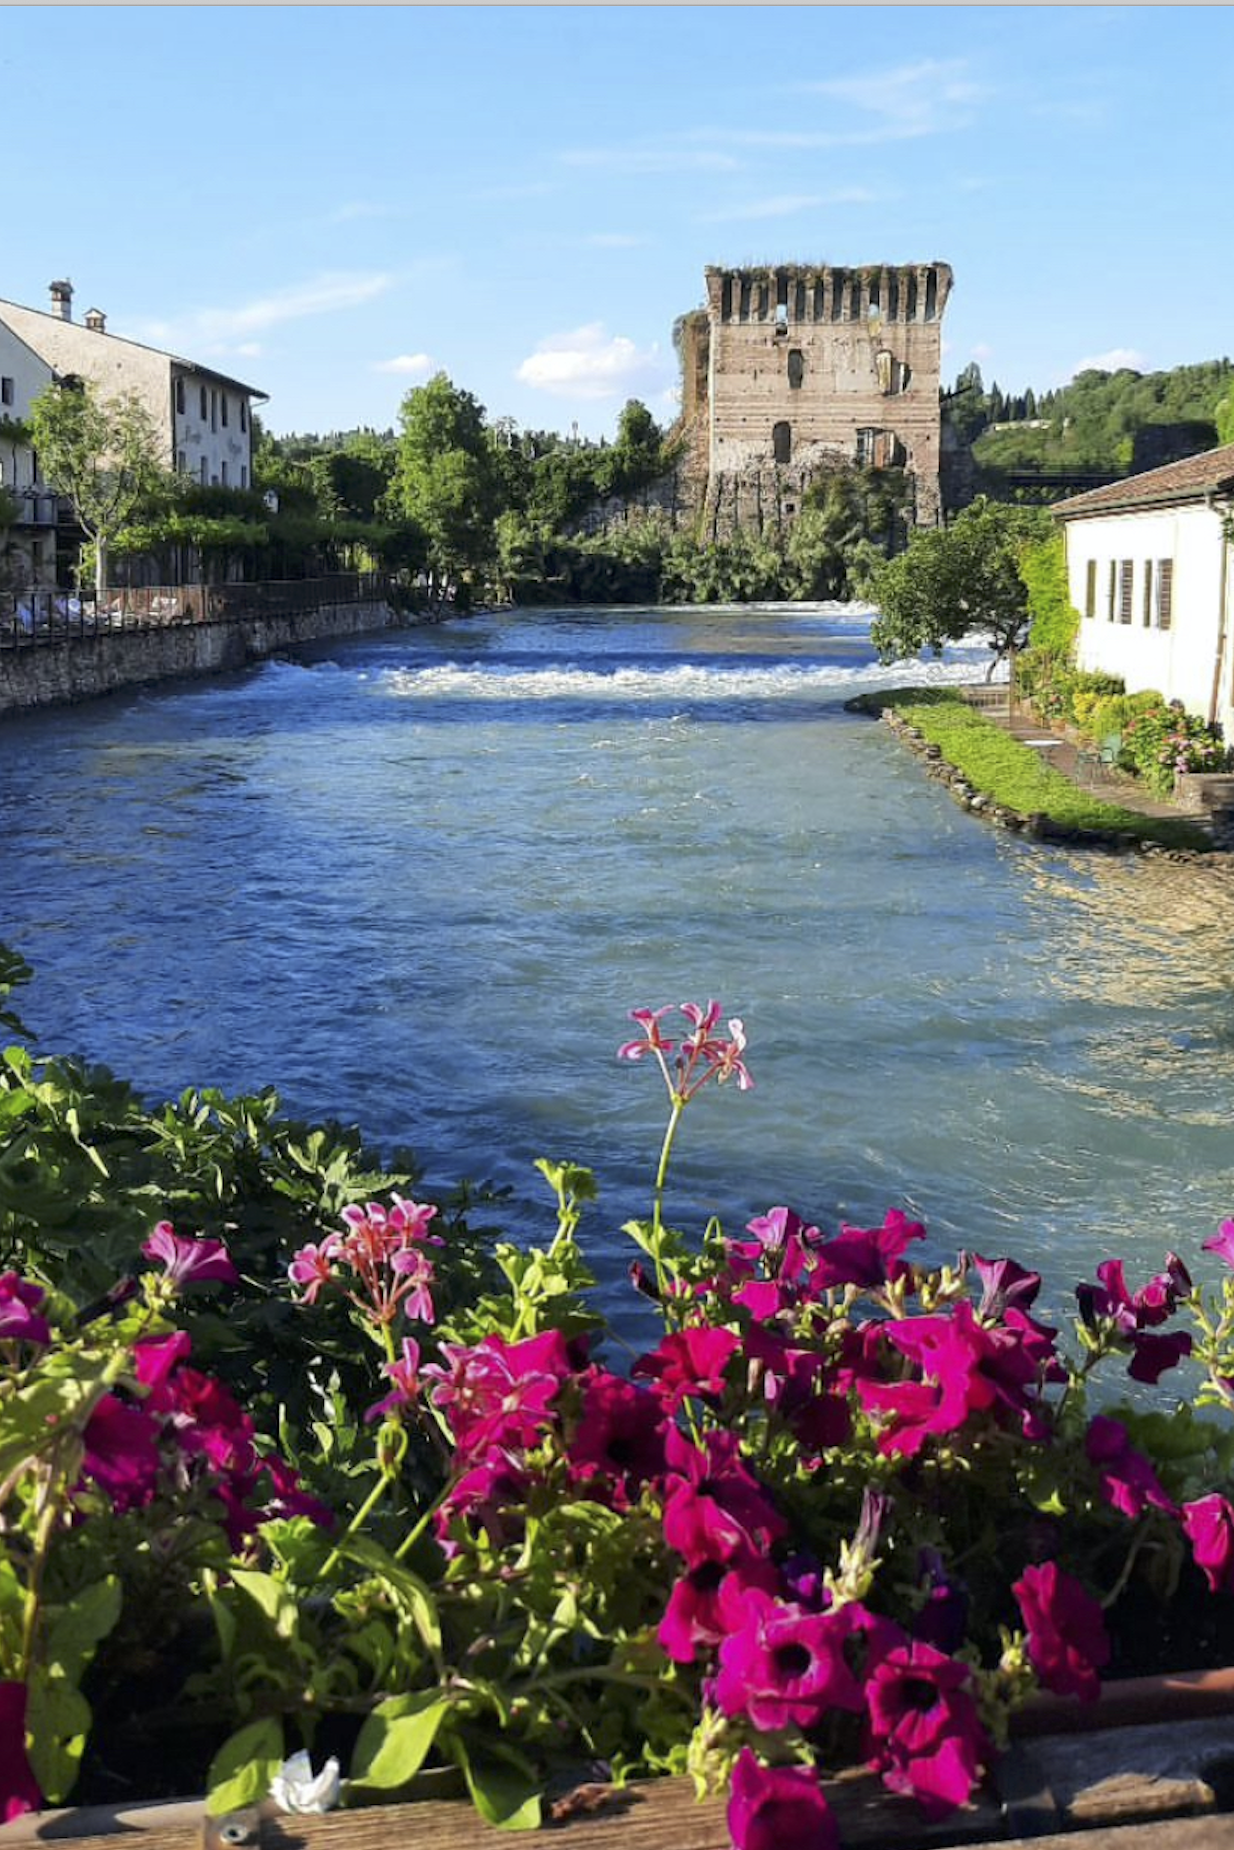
pixel 1222 1242
pixel 778 1808
pixel 499 1393
pixel 699 1056
pixel 1067 1642
pixel 404 1372
pixel 185 1261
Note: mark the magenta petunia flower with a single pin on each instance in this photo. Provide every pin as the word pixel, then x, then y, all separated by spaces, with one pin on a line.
pixel 187 1261
pixel 1209 1526
pixel 925 1734
pixel 689 1364
pixel 1126 1479
pixel 491 1495
pixel 19 1303
pixel 618 1443
pixel 1067 1642
pixel 785 1667
pixel 19 1790
pixel 778 1808
pixel 714 1509
pixel 868 1256
pixel 121 1452
pixel 707 1601
pixel 1004 1285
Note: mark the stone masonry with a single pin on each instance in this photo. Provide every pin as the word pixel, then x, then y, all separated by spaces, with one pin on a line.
pixel 792 370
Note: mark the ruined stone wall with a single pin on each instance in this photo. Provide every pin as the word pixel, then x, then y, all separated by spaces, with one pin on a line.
pixel 807 368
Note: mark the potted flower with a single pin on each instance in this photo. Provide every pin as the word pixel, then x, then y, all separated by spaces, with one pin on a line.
pixel 849 1507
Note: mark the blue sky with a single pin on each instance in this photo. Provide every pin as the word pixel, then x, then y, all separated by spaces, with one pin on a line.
pixel 333 203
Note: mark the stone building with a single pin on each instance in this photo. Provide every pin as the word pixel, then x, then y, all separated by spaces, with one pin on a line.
pixel 795 369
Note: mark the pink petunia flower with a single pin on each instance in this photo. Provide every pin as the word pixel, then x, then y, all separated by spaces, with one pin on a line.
pixel 19 1790
pixel 785 1667
pixel 714 1509
pixel 19 1303
pixel 121 1452
pixel 618 1444
pixel 185 1261
pixel 707 1602
pixel 868 1256
pixel 689 1364
pixel 925 1734
pixel 1222 1242
pixel 1208 1525
pixel 778 1808
pixel 1126 1479
pixel 1067 1642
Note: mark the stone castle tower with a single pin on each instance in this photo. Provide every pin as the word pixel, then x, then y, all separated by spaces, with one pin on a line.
pixel 793 370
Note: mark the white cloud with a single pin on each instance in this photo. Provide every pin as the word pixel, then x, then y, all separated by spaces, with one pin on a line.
pixel 906 101
pixel 589 363
pixel 787 205
pixel 326 294
pixel 1112 362
pixel 414 365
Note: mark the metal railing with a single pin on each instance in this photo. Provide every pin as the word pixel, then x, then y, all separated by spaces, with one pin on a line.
pixel 34 617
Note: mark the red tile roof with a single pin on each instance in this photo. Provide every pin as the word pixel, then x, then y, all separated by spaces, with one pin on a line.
pixel 1188 480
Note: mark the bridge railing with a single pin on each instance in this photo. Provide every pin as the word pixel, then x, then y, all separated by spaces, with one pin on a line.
pixel 34 617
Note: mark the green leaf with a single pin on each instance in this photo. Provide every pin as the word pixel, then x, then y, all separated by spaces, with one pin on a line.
pixel 76 1630
pixel 407 1587
pixel 395 1739
pixel 273 1598
pixel 58 1721
pixel 241 1771
pixel 503 1785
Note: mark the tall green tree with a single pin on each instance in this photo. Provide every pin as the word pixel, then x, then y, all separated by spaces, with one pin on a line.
pixel 102 454
pixel 958 581
pixel 446 479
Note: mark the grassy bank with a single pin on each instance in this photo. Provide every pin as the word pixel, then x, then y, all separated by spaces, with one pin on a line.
pixel 1013 775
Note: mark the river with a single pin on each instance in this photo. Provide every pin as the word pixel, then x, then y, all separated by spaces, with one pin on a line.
pixel 417 881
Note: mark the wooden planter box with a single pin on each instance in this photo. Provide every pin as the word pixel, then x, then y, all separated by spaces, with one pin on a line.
pixel 1156 1785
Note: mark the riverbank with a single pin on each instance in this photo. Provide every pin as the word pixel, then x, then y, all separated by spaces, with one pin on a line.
pixel 1006 768
pixel 85 667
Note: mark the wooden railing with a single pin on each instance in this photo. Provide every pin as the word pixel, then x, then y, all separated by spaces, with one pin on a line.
pixel 41 617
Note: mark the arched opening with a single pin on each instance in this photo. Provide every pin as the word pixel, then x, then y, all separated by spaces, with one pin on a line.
pixel 782 442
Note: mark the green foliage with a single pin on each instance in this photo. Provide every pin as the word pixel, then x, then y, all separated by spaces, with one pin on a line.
pixel 957 581
pixel 1053 621
pixel 1011 774
pixel 1163 740
pixel 102 454
pixel 445 480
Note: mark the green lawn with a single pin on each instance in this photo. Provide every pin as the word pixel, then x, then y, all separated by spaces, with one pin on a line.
pixel 1015 776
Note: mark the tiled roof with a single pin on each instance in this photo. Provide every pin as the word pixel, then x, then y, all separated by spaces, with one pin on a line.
pixel 1188 480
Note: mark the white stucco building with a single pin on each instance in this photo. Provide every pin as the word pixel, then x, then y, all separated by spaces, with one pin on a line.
pixel 1150 570
pixel 203 418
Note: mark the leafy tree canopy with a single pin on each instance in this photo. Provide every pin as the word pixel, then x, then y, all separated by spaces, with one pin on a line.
pixel 102 454
pixel 956 581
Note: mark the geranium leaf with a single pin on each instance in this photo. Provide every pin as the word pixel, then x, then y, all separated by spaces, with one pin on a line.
pixel 394 1742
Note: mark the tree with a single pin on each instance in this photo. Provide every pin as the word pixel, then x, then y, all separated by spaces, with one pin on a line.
pixel 959 580
pixel 446 479
pixel 1223 415
pixel 102 454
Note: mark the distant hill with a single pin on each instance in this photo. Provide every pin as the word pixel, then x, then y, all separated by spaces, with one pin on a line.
pixel 1114 423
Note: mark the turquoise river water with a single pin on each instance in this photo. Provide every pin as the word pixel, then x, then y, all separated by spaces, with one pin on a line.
pixel 416 881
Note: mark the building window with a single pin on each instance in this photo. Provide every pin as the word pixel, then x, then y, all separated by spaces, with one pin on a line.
pixel 244 414
pixel 223 475
pixel 205 473
pixel 1090 589
pixel 182 463
pixel 6 391
pixel 781 442
pixel 180 396
pixel 1126 574
pixel 223 407
pixel 1111 592
pixel 1165 592
pixel 244 475
pixel 1147 605
pixel 203 404
pixel 214 409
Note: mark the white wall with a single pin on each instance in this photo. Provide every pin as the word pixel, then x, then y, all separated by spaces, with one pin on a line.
pixel 1181 661
pixel 213 443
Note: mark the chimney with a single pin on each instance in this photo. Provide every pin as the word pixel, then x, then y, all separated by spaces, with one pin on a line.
pixel 62 300
pixel 96 321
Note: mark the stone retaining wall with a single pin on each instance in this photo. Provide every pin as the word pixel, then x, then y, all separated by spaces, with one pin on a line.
pixel 61 673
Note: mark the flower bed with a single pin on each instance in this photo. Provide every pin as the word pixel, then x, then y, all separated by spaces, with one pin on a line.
pixel 854 1507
